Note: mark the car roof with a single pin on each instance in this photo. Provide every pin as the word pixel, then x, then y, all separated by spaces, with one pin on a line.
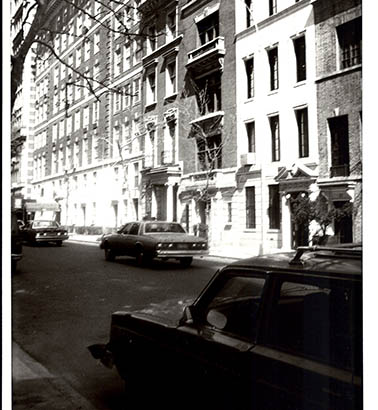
pixel 338 262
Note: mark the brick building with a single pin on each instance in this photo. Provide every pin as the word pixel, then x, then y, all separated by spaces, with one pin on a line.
pixel 339 70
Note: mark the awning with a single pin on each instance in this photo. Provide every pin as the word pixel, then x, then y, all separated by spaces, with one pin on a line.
pixel 34 207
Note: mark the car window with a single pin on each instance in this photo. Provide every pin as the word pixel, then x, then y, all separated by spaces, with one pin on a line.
pixel 134 229
pixel 126 228
pixel 45 224
pixel 319 322
pixel 158 227
pixel 235 307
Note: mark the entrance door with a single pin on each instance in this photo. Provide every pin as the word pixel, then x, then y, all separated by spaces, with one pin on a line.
pixel 343 226
pixel 299 230
pixel 161 202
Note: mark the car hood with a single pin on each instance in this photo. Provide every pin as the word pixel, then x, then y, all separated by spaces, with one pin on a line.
pixel 175 237
pixel 168 312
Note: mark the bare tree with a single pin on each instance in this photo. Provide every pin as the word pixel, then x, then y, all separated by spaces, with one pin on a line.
pixel 41 29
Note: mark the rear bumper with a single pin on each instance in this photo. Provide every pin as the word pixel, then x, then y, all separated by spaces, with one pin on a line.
pixel 51 238
pixel 180 253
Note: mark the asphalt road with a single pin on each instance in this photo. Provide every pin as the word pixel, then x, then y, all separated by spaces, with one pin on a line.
pixel 62 299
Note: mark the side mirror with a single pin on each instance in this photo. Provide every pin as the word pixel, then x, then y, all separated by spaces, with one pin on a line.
pixel 187 317
pixel 216 319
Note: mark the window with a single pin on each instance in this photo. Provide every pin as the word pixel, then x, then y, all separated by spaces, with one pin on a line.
pixel 117 61
pixel 136 90
pixel 250 71
pixel 274 207
pixel 302 122
pixel 87 49
pixel 138 50
pixel 235 307
pixel 272 7
pixel 69 125
pixel 117 101
pixel 338 127
pixel 151 88
pixel 170 78
pixel 273 65
pixel 209 98
pixel 61 128
pixel 56 75
pixel 85 117
pixel 134 230
pixel 251 139
pixel 77 120
pixel 171 26
pixel 151 39
pixel 350 42
pixel 275 133
pixel 248 12
pixel 300 55
pixel 127 95
pixel 55 132
pixel 229 212
pixel 250 207
pixel 95 112
pixel 320 321
pixel 209 152
pixel 208 28
pixel 96 43
pixel 126 57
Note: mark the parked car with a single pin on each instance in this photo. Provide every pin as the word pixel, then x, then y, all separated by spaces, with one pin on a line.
pixel 153 239
pixel 44 231
pixel 16 242
pixel 279 331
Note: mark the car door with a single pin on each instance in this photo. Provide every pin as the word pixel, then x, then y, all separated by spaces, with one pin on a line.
pixel 311 351
pixel 119 240
pixel 130 238
pixel 217 345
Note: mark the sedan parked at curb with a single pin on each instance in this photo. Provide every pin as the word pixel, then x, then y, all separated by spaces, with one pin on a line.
pixel 147 240
pixel 44 231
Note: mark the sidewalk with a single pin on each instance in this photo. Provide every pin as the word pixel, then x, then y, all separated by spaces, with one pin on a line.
pixel 35 388
pixel 231 253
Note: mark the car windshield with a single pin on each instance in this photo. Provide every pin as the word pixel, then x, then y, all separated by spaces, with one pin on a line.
pixel 45 224
pixel 166 227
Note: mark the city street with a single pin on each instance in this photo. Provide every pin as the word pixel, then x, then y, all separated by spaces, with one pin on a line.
pixel 62 300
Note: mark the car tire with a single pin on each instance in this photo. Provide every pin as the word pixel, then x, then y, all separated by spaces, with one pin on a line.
pixel 58 243
pixel 186 262
pixel 109 255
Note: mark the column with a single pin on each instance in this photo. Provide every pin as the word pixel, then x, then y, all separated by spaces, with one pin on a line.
pixel 169 202
pixel 286 222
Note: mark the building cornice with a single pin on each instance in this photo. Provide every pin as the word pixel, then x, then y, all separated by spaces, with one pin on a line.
pixel 273 19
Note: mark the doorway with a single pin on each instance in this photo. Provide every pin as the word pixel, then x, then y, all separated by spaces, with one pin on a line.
pixel 299 229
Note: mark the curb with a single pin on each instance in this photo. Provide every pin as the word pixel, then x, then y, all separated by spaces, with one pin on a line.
pixel 34 387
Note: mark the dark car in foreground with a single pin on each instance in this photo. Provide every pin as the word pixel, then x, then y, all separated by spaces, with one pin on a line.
pixel 44 231
pixel 16 242
pixel 147 240
pixel 280 331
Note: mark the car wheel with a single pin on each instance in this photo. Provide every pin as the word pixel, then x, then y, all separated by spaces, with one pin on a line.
pixel 109 255
pixel 58 243
pixel 186 262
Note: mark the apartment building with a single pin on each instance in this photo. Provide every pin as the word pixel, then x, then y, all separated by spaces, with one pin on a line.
pixel 277 137
pixel 88 148
pixel 339 69
pixel 22 120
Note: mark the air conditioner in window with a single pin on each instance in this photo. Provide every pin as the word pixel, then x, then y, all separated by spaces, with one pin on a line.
pixel 248 159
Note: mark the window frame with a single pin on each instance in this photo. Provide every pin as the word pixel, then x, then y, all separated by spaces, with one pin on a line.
pixel 274 122
pixel 300 57
pixel 250 207
pixel 303 135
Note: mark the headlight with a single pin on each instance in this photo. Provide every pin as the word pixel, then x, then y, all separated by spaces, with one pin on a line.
pixel 159 245
pixel 37 235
